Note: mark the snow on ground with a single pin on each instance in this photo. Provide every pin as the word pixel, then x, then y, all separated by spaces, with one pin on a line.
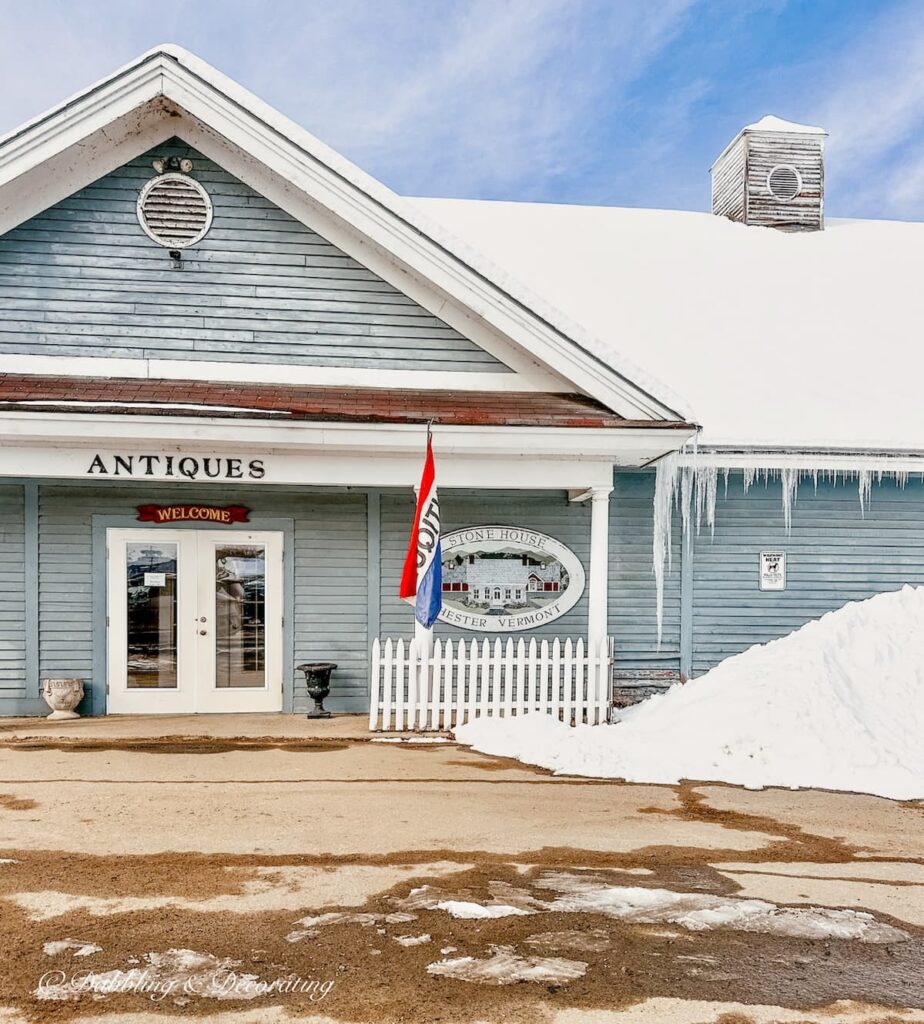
pixel 837 704
pixel 568 892
pixel 506 967
pixel 412 940
pixel 699 912
pixel 478 912
pixel 310 925
pixel 174 971
pixel 73 946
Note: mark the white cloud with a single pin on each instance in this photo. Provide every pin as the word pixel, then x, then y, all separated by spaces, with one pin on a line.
pixel 476 97
pixel 871 101
pixel 462 96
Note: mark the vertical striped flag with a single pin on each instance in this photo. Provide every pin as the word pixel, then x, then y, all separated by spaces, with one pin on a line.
pixel 422 579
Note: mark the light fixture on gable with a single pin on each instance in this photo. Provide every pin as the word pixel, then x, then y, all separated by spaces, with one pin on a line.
pixel 174 210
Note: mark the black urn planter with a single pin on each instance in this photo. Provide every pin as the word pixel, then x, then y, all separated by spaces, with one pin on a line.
pixel 317 676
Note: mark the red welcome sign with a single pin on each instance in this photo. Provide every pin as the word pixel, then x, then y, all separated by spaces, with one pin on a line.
pixel 222 515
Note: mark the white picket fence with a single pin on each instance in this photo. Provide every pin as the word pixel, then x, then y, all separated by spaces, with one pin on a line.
pixel 461 681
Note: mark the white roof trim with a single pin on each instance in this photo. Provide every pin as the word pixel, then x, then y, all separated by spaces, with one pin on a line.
pixel 132 97
pixel 30 433
pixel 807 461
pixel 268 373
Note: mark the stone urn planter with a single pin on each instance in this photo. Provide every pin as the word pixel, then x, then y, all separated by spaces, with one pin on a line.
pixel 317 676
pixel 62 696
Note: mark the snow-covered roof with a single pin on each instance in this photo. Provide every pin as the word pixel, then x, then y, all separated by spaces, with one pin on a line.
pixel 170 92
pixel 802 340
pixel 772 123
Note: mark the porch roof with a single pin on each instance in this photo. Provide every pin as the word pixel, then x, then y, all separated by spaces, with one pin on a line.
pixel 132 396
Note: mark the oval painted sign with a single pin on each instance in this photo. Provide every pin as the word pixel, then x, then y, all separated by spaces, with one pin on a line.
pixel 501 579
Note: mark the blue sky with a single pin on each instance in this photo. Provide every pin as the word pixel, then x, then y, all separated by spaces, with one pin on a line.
pixel 616 102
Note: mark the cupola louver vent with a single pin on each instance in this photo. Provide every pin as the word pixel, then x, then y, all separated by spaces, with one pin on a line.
pixel 772 175
pixel 174 210
pixel 784 182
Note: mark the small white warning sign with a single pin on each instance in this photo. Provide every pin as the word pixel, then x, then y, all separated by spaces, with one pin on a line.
pixel 773 570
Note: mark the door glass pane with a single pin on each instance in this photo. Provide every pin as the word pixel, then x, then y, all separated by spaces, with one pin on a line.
pixel 240 613
pixel 151 577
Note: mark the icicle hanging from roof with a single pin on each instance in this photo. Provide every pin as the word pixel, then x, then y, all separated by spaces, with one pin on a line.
pixel 683 480
pixel 665 490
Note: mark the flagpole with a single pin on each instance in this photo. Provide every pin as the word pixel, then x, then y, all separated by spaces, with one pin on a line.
pixel 422 634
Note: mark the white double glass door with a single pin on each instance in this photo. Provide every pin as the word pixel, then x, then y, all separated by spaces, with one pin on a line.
pixel 194 621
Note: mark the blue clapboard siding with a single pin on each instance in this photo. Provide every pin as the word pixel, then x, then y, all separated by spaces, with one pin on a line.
pixel 83 279
pixel 330 576
pixel 833 555
pixel 330 595
pixel 548 512
pixel 12 600
pixel 632 592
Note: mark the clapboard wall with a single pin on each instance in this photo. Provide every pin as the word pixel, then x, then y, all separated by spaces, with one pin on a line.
pixel 12 599
pixel 632 591
pixel 740 189
pixel 728 181
pixel 805 152
pixel 548 512
pixel 834 554
pixel 330 610
pixel 712 600
pixel 631 588
pixel 83 279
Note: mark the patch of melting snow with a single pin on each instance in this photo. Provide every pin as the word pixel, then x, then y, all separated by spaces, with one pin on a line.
pixel 593 941
pixel 412 940
pixel 506 901
pixel 506 967
pixel 8 860
pixel 77 947
pixel 174 971
pixel 310 925
pixel 703 911
pixel 693 911
pixel 479 911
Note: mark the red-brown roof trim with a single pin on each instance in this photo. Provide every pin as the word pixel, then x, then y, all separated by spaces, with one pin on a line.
pixel 132 396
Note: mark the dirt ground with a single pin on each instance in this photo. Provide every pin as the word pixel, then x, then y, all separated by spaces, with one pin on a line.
pixel 271 875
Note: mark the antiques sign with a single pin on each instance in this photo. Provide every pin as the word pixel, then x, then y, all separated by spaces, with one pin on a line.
pixel 222 515
pixel 180 467
pixel 501 579
pixel 773 570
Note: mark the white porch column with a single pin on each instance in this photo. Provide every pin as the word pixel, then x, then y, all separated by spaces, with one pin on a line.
pixel 597 616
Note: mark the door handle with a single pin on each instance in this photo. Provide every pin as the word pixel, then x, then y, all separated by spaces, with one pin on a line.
pixel 202 632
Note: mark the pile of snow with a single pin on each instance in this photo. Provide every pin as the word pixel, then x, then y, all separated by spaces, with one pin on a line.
pixel 837 704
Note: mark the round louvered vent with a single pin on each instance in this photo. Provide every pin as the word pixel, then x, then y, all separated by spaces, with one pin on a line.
pixel 174 210
pixel 784 182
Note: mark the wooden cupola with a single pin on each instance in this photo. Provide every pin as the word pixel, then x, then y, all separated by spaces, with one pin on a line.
pixel 772 174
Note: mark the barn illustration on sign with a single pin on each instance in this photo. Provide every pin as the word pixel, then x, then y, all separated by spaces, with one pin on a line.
pixel 497 582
